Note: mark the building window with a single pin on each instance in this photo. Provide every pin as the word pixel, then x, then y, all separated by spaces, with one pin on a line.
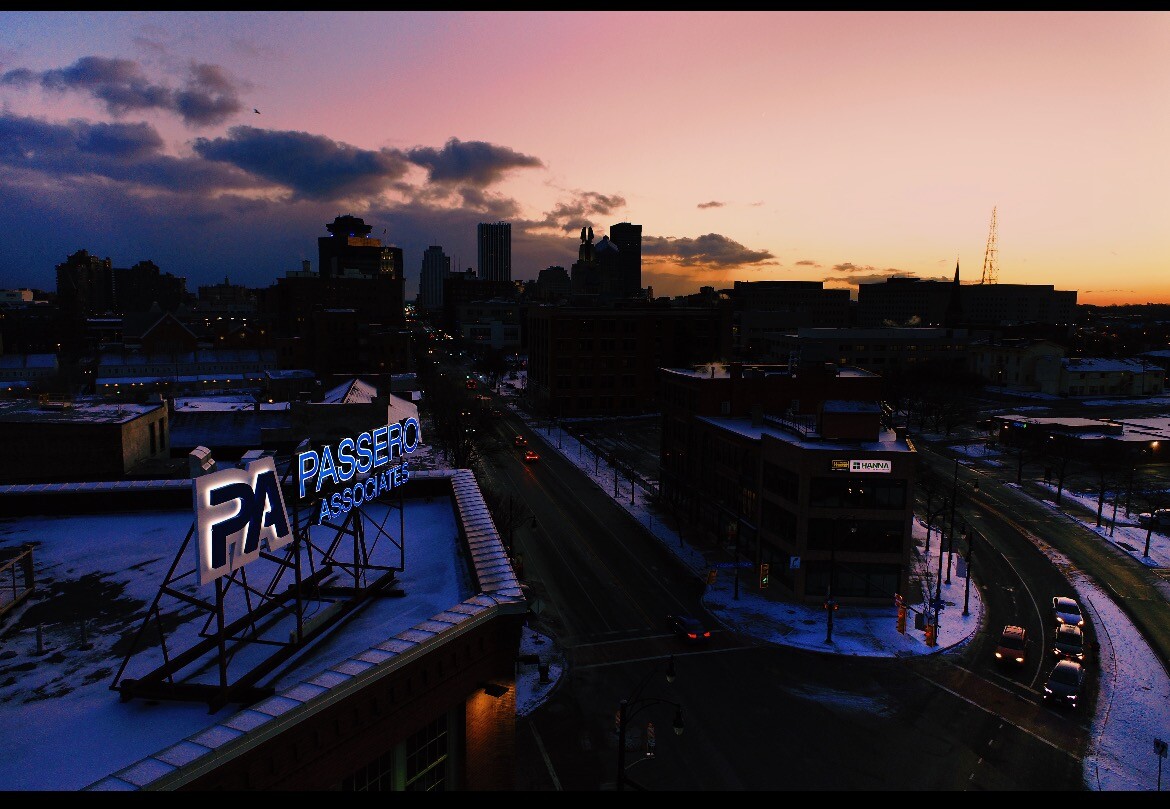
pixel 426 758
pixel 857 580
pixel 783 482
pixel 854 493
pixel 376 776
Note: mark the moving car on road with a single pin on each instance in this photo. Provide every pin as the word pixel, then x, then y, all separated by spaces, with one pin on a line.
pixel 688 627
pixel 1064 683
pixel 1013 645
pixel 531 455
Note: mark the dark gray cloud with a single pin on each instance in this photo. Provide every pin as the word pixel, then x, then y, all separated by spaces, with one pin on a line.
pixel 128 153
pixel 711 204
pixel 207 97
pixel 311 166
pixel 712 250
pixel 807 263
pixel 469 162
pixel 583 208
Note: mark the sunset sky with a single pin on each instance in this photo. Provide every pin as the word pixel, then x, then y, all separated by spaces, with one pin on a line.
pixel 846 147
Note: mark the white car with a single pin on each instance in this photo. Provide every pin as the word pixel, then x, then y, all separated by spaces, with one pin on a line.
pixel 1067 611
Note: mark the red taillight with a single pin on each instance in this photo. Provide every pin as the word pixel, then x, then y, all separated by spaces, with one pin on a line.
pixel 706 634
pixel 692 635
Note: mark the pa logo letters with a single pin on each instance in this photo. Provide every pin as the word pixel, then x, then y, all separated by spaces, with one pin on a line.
pixel 235 510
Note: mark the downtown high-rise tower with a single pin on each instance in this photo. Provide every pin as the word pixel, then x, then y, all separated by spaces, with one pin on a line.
pixel 494 240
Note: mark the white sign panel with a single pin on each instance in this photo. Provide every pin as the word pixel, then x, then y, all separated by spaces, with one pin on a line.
pixel 236 509
pixel 884 467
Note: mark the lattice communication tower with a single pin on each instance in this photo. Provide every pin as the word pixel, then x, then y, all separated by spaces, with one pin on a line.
pixel 990 264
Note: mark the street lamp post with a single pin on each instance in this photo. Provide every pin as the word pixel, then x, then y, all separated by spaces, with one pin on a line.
pixel 969 534
pixel 733 529
pixel 631 707
pixel 830 604
pixel 951 527
pixel 829 588
pixel 938 584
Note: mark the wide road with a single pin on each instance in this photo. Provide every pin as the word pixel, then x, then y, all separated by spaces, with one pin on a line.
pixel 756 717
pixel 1133 586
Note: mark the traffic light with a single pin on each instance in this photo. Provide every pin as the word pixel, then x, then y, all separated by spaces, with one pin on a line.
pixel 711 574
pixel 902 620
pixel 930 634
pixel 763 575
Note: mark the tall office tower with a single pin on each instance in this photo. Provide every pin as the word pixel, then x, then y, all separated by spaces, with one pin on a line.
pixel 628 240
pixel 350 252
pixel 436 268
pixel 495 251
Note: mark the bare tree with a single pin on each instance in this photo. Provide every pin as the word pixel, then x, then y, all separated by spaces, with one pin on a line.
pixel 507 512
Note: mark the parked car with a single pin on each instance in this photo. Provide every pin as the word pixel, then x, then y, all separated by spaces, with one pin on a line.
pixel 1067 611
pixel 1064 683
pixel 1069 643
pixel 1157 519
pixel 688 627
pixel 1013 645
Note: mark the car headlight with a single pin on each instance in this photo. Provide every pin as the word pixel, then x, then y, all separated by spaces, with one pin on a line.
pixel 998 655
pixel 1019 660
pixel 1047 690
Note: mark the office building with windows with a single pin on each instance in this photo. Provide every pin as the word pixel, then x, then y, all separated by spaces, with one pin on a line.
pixel 436 268
pixel 494 241
pixel 791 467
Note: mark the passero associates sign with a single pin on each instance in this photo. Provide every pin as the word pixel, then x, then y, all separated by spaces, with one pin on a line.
pixel 369 454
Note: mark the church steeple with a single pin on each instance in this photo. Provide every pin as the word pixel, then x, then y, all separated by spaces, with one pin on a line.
pixel 954 313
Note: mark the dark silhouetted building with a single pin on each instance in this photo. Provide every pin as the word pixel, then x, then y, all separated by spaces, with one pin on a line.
pixel 918 302
pixel 138 288
pixel 349 319
pixel 494 240
pixel 791 467
pixel 462 288
pixel 628 240
pixel 436 268
pixel 762 308
pixel 348 251
pixel 597 361
pixel 553 284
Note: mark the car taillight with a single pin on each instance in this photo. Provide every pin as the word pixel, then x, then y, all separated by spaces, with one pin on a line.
pixel 692 635
pixel 706 634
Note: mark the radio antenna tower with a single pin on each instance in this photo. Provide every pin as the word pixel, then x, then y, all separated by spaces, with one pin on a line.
pixel 990 264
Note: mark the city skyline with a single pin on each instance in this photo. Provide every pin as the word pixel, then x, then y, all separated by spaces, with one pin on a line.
pixel 846 147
